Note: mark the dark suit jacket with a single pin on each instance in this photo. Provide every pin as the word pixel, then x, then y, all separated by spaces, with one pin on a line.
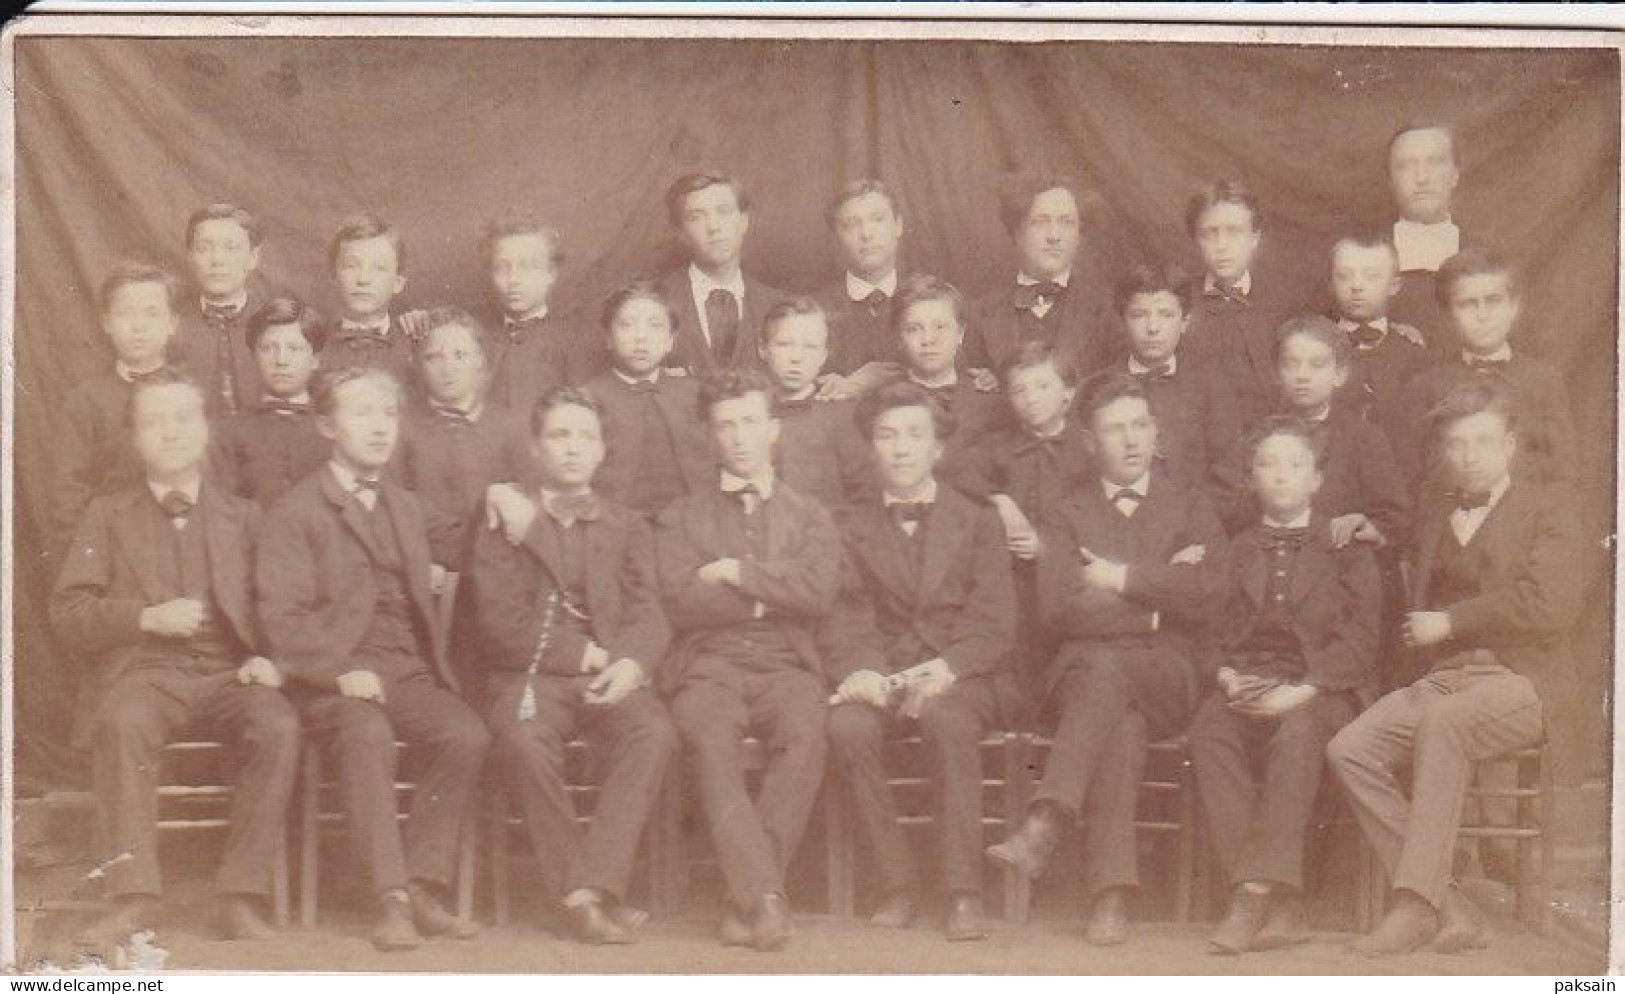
pixel 626 449
pixel 1039 476
pixel 313 578
pixel 449 466
pixel 197 350
pixel 1237 341
pixel 1334 602
pixel 562 349
pixel 509 585
pixel 261 455
pixel 691 350
pixel 822 454
pixel 1527 553
pixel 858 335
pixel 110 576
pixel 93 452
pixel 797 580
pixel 1081 325
pixel 1198 426
pixel 959 604
pixel 1377 383
pixel 342 351
pixel 1184 597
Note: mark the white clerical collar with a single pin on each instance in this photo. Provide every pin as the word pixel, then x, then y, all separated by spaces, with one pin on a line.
pixel 1243 286
pixel 345 475
pixel 1349 324
pixel 1142 486
pixel 1301 521
pixel 190 488
pixel 534 314
pixel 236 302
pixel 949 379
pixel 927 495
pixel 1022 279
pixel 703 284
pixel 1138 368
pixel 763 482
pixel 1502 354
pixel 378 325
pixel 128 374
pixel 858 289
pixel 632 381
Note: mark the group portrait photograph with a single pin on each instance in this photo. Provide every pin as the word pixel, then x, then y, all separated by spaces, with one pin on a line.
pixel 847 497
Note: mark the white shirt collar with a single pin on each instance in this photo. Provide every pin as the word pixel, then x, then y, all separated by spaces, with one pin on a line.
pixel 858 289
pixel 472 413
pixel 127 374
pixel 302 397
pixel 927 496
pixel 342 473
pixel 1022 279
pixel 1301 521
pixel 631 381
pixel 1060 430
pixel 763 483
pixel 1502 354
pixel 1349 324
pixel 1317 419
pixel 703 284
pixel 1136 367
pixel 191 489
pixel 238 301
pixel 951 379
pixel 1496 493
pixel 1142 486
pixel 534 314
pixel 371 324
pixel 1243 286
pixel 1425 246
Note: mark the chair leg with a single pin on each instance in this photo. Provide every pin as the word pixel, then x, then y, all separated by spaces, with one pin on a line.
pixel 667 865
pixel 1018 791
pixel 467 857
pixel 839 849
pixel 310 791
pixel 496 854
pixel 1547 843
pixel 1185 859
pixel 279 880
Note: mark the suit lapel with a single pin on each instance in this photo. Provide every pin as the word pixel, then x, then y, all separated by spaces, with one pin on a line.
pixel 224 544
pixel 542 541
pixel 140 540
pixel 1432 528
pixel 413 541
pixel 948 529
pixel 879 547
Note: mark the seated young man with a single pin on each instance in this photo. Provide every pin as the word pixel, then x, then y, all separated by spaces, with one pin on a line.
pixel 748 570
pixel 929 605
pixel 570 631
pixel 156 589
pixel 1494 597
pixel 1295 662
pixel 342 580
pixel 1127 582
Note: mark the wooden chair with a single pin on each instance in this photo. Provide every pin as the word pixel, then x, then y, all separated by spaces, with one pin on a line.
pixel 1002 809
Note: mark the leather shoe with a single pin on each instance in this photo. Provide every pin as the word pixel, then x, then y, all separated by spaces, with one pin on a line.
pixel 897 911
pixel 1461 924
pixel 240 919
pixel 628 917
pixel 967 919
pixel 394 931
pixel 1249 909
pixel 1409 924
pixel 772 925
pixel 1033 844
pixel 1284 925
pixel 432 918
pixel 1108 919
pixel 735 930
pixel 113 928
pixel 591 924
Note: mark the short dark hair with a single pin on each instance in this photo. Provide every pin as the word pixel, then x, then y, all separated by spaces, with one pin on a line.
pixel 1147 279
pixel 1224 191
pixel 729 384
pixel 919 289
pixel 1410 126
pixel 164 376
pixel 225 212
pixel 1104 388
pixel 790 307
pixel 636 290
pixel 1035 353
pixel 1368 239
pixel 563 395
pixel 902 393
pixel 1474 262
pixel 1312 435
pixel 1018 191
pixel 445 317
pixel 1470 397
pixel 362 227
pixel 131 272
pixel 520 221
pixel 694 183
pixel 860 188
pixel 286 310
pixel 324 398
pixel 1321 329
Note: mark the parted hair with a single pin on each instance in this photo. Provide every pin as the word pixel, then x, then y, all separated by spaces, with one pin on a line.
pixel 1410 126
pixel 728 384
pixel 689 183
pixel 447 317
pixel 1474 262
pixel 792 307
pixel 131 272
pixel 1323 330
pixel 860 188
pixel 164 376
pixel 1153 278
pixel 1471 397
pixel 1312 435
pixel 324 397
pixel 286 310
pixel 361 227
pixel 636 290
pixel 520 221
pixel 903 394
pixel 1031 354
pixel 225 212
pixel 1104 388
pixel 1018 191
pixel 562 396
pixel 1223 191
pixel 919 289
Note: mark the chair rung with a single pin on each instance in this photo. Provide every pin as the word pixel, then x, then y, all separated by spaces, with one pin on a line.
pixel 1497 832
pixel 202 790
pixel 192 746
pixel 194 823
pixel 1159 785
pixel 1503 792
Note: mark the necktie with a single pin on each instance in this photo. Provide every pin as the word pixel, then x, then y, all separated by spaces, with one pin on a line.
pixel 364 486
pixel 281 406
pixel 1469 501
pixel 722 319
pixel 517 330
pixel 453 415
pixel 1488 365
pixel 904 511
pixel 641 386
pixel 875 301
pixel 220 312
pixel 178 506
pixel 1037 443
pixel 363 334
pixel 1030 295
pixel 1161 371
pixel 747 495
pixel 1367 336
pixel 1273 539
pixel 1230 294
pixel 568 508
pixel 150 374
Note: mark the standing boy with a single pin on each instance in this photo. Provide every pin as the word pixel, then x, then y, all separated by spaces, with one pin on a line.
pixel 536 348
pixel 223 253
pixel 1387 353
pixel 368 259
pixel 868 226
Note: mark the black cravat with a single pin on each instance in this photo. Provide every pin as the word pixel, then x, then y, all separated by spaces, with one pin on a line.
pixel 1367 336
pixel 1488 365
pixel 1469 501
pixel 722 319
pixel 517 330
pixel 1030 295
pixel 453 416
pixel 875 301
pixel 220 312
pixel 281 406
pixel 1232 294
pixel 177 505
pixel 1038 443
pixel 1273 538
pixel 904 511
pixel 573 507
pixel 359 335
pixel 1161 371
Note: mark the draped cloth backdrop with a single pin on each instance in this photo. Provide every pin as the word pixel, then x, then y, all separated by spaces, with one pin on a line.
pixel 119 139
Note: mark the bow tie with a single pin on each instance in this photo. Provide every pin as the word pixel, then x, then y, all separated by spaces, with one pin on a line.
pixel 784 405
pixel 281 406
pixel 1467 501
pixel 875 301
pixel 362 483
pixel 177 505
pixel 1367 336
pixel 904 511
pixel 150 374
pixel 452 415
pixel 565 508
pixel 358 333
pixel 1127 493
pixel 1030 295
pixel 1161 371
pixel 1487 365
pixel 1038 443
pixel 742 493
pixel 1234 295
pixel 221 312
pixel 1273 539
pixel 516 330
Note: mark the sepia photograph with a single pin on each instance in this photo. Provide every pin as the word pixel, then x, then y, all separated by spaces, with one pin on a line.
pixel 819 495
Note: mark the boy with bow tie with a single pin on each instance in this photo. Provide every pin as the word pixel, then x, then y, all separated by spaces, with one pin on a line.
pixel 570 632
pixel 342 576
pixel 273 444
pixel 868 225
pixel 537 348
pixel 1237 306
pixel 1387 353
pixel 157 590
pixel 1495 595
pixel 928 592
pixel 1482 296
pixel 931 329
pixel 748 570
pixel 1128 580
pixel 1050 300
pixel 1295 663
pixel 223 253
pixel 368 259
